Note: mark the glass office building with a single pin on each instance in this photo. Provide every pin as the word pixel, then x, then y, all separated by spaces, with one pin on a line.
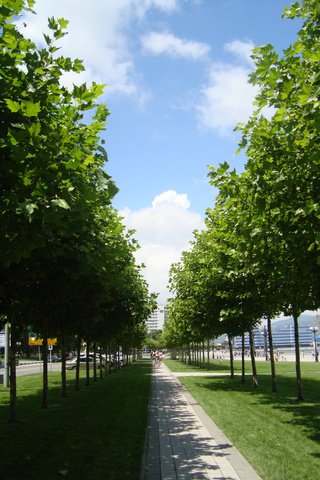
pixel 283 333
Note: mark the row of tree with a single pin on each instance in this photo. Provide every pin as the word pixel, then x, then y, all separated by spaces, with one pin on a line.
pixel 259 253
pixel 67 264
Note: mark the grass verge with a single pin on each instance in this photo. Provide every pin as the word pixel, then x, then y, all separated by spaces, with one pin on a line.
pixel 95 433
pixel 279 436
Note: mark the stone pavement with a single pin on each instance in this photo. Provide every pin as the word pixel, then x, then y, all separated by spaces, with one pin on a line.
pixel 182 442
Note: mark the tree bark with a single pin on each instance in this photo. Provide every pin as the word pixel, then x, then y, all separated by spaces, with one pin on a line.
pixel 63 366
pixel 44 403
pixel 297 349
pixel 95 377
pixel 101 363
pixel 274 387
pixel 13 377
pixel 243 362
pixel 203 355
pixel 231 356
pixel 253 360
pixel 87 364
pixel 77 383
pixel 189 354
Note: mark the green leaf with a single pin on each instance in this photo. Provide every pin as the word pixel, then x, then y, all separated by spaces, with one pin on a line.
pixel 280 113
pixel 13 106
pixel 30 207
pixel 60 202
pixel 34 128
pixel 63 23
pixel 223 167
pixel 47 39
pixel 30 109
pixel 103 151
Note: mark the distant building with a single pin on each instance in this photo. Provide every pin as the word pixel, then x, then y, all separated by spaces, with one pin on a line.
pixel 157 319
pixel 283 333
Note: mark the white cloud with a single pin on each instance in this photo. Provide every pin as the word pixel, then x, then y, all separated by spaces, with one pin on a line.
pixel 158 43
pixel 242 50
pixel 228 97
pixel 172 197
pixel 99 38
pixel 163 231
pixel 166 5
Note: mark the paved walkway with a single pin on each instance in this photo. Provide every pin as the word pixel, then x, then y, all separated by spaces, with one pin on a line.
pixel 182 442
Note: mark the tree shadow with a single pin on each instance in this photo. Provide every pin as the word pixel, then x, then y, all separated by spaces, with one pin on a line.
pixel 177 445
pixel 97 432
pixel 303 414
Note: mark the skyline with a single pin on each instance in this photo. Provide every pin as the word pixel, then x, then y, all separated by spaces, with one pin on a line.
pixel 176 86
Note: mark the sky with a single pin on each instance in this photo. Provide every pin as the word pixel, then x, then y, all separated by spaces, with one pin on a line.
pixel 176 75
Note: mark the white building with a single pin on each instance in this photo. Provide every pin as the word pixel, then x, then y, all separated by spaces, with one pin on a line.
pixel 156 319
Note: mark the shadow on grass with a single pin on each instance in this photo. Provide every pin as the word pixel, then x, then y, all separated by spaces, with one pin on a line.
pixel 214 366
pixel 303 414
pixel 97 432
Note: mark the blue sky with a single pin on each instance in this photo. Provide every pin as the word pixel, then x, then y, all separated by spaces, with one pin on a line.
pixel 176 74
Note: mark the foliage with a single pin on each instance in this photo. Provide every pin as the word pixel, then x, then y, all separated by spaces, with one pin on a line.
pixel 259 254
pixel 67 265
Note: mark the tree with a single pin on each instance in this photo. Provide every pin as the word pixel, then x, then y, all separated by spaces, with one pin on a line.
pixel 61 241
pixel 283 160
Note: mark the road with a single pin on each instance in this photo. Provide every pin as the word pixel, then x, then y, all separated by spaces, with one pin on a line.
pixel 36 368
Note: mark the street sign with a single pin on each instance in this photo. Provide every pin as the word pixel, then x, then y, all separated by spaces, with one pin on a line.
pixel 50 347
pixel 35 341
pixel 2 338
pixel 39 341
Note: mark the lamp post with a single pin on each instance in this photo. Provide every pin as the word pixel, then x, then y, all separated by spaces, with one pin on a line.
pixel 264 332
pixel 314 330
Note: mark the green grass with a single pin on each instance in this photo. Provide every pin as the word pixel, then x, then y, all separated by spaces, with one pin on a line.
pixel 263 367
pixel 279 436
pixel 95 433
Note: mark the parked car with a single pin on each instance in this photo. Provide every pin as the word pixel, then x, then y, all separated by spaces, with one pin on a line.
pixel 83 362
pixel 55 359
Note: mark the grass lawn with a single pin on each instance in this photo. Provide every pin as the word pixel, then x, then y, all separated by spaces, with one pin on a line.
pixel 96 433
pixel 279 436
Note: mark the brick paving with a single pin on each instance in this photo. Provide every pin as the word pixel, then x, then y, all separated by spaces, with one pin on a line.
pixel 182 442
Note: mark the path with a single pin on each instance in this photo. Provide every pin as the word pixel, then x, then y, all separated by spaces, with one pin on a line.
pixel 182 442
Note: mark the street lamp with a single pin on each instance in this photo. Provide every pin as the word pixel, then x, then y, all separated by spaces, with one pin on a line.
pixel 314 330
pixel 264 332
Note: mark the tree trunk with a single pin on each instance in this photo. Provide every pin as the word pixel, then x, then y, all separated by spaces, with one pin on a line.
pixel 118 358
pixel 253 360
pixel 87 364
pixel 63 366
pixel 95 378
pixel 243 362
pixel 13 377
pixel 189 355
pixel 101 363
pixel 231 356
pixel 272 362
pixel 77 383
pixel 297 349
pixel 203 355
pixel 44 403
pixel 208 354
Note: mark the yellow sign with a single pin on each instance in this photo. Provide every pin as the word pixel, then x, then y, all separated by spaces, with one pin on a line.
pixel 39 341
